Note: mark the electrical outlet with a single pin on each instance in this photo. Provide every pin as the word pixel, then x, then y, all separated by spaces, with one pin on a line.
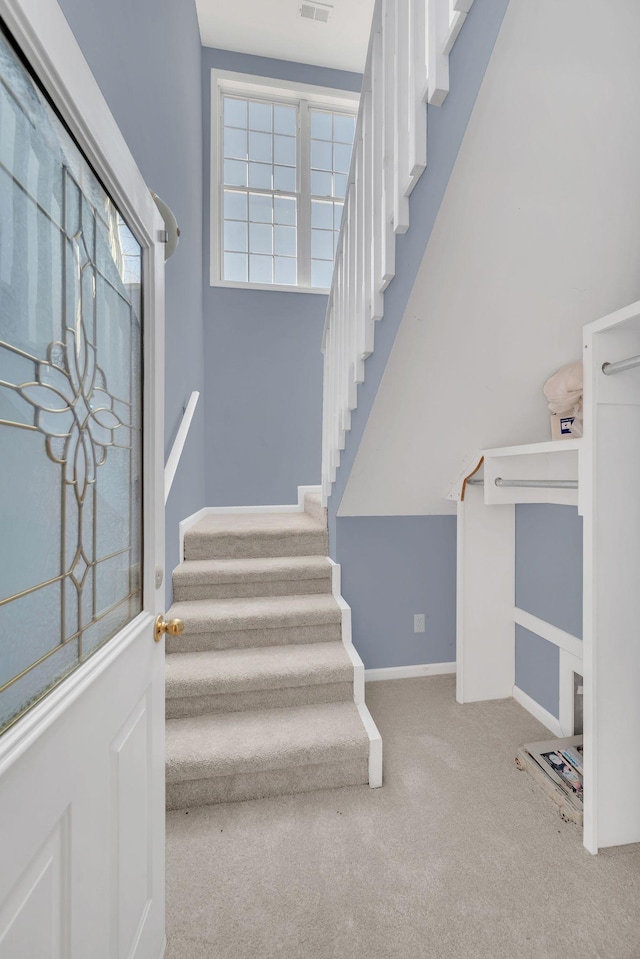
pixel 419 623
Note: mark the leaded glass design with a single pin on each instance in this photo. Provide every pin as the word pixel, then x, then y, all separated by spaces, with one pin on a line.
pixel 70 402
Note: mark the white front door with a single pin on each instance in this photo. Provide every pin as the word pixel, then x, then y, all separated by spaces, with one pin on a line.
pixel 81 513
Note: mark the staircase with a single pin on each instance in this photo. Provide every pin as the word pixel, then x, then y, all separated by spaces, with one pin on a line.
pixel 264 690
pixel 407 67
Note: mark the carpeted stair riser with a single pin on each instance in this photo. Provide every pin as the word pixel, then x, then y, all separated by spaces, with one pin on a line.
pixel 261 621
pixel 248 679
pixel 249 589
pixel 261 785
pixel 313 506
pixel 238 638
pixel 263 752
pixel 246 578
pixel 211 545
pixel 181 707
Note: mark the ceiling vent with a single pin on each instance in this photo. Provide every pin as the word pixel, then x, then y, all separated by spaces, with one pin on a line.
pixel 309 10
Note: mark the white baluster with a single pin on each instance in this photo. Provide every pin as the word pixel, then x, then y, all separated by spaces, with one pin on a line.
pixel 377 163
pixel 403 116
pixel 407 63
pixel 418 86
pixel 388 58
pixel 437 59
pixel 368 320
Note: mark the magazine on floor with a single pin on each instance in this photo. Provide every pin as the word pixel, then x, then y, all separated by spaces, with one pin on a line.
pixel 562 761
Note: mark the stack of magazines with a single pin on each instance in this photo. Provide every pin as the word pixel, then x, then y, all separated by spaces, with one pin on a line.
pixel 567 766
pixel 557 766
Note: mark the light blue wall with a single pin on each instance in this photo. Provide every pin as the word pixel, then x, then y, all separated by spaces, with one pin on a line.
pixel 538 669
pixel 263 403
pixel 549 564
pixel 392 568
pixel 263 396
pixel 146 57
pixel 548 585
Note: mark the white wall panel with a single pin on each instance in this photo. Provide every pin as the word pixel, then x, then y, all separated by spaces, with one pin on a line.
pixel 538 233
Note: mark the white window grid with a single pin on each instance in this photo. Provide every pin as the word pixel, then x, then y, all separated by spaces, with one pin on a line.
pixel 315 246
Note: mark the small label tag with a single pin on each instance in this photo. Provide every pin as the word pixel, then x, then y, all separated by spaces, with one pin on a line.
pixel 566 423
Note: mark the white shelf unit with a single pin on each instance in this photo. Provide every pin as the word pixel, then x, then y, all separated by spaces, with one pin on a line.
pixel 606 463
pixel 486 614
pixel 609 485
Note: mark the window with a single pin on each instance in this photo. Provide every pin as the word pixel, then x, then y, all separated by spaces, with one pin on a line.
pixel 279 178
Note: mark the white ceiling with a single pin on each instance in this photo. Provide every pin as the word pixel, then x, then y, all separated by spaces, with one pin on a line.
pixel 274 28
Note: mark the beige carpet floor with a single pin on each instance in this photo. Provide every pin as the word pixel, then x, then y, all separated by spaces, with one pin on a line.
pixel 458 856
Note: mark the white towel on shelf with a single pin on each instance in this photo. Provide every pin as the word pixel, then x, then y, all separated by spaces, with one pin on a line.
pixel 563 391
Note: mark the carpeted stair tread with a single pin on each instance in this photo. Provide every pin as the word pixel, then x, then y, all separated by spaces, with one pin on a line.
pixel 238 535
pixel 202 747
pixel 267 573
pixel 263 612
pixel 239 670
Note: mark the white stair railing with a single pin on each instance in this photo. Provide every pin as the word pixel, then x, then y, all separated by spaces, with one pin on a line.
pixel 178 444
pixel 407 66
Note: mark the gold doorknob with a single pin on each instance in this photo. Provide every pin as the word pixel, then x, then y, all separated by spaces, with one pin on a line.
pixel 174 626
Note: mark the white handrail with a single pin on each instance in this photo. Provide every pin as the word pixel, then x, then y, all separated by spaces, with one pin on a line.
pixel 407 67
pixel 178 445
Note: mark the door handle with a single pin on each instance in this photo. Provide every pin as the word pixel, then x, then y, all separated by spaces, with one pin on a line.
pixel 173 626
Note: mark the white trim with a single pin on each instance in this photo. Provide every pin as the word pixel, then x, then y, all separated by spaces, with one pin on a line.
pixel 537 711
pixel 568 666
pixel 268 287
pixel 375 739
pixel 346 633
pixel 17 739
pixel 571 644
pixel 231 82
pixel 532 449
pixel 375 747
pixel 408 672
pixel 178 445
pixel 304 194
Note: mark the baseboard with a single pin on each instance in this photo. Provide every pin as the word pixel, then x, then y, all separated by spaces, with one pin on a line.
pixel 347 638
pixel 537 711
pixel 190 521
pixel 408 672
pixel 375 739
pixel 375 747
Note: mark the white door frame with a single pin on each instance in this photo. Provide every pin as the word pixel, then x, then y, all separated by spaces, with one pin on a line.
pixel 46 40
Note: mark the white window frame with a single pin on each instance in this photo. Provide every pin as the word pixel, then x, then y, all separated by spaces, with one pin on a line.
pixel 306 96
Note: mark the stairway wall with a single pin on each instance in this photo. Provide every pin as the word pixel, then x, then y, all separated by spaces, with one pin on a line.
pixel 383 617
pixel 131 49
pixel 538 233
pixel 262 349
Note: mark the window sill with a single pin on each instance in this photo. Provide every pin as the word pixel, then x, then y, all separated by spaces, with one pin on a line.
pixel 267 287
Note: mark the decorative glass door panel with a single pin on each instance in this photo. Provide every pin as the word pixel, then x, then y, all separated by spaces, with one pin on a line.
pixel 70 401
